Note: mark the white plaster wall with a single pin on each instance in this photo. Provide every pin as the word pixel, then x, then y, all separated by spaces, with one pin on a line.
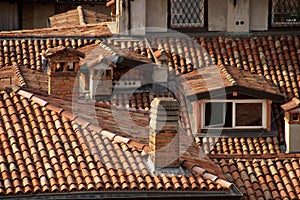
pixel 292 137
pixel 138 17
pixel 259 10
pixel 123 15
pixel 41 13
pixel 217 15
pixel 238 13
pixel 157 13
pixel 8 16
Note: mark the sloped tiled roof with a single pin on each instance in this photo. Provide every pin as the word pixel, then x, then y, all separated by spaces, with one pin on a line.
pixel 27 52
pixel 274 57
pixel 265 178
pixel 90 30
pixel 110 53
pixel 234 146
pixel 217 77
pixel 44 151
pixel 77 17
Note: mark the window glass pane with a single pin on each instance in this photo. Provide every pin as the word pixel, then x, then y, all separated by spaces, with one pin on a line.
pixel 285 13
pixel 187 13
pixel 218 114
pixel 248 114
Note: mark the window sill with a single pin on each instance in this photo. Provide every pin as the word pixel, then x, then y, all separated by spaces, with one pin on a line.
pixel 237 133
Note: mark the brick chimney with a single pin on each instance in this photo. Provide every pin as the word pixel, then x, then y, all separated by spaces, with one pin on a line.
pixel 62 71
pixel 292 125
pixel 164 140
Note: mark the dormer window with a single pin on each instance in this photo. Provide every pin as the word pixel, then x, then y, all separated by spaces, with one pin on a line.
pixel 234 114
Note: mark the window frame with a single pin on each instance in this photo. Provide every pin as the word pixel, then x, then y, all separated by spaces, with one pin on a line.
pixel 186 27
pixel 234 102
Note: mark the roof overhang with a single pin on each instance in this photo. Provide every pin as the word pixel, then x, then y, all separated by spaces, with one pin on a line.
pixel 291 105
pixel 219 93
pixel 234 193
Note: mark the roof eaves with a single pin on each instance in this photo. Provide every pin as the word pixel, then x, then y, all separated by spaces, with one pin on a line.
pixel 232 194
pixel 200 171
pixel 19 75
pixel 294 103
pixel 240 89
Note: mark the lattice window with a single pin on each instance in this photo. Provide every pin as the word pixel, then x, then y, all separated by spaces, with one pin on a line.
pixel 285 13
pixel 187 13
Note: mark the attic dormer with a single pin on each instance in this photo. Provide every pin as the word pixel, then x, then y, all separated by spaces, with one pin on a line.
pixel 63 63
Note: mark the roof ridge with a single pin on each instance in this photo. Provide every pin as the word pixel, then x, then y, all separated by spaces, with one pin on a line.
pixel 108 48
pixel 84 123
pixel 81 15
pixel 19 75
pixel 255 156
pixel 201 171
pixel 227 74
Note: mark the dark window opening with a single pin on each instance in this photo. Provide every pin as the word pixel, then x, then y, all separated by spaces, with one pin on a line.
pixel 218 114
pixel 248 114
pixel 108 74
pixel 295 117
pixel 187 14
pixel 285 13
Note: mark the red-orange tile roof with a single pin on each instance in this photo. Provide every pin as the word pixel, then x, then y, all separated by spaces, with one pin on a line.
pixel 274 57
pixel 42 151
pixel 217 77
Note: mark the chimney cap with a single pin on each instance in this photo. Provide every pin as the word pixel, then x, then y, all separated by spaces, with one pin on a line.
pixel 167 102
pixel 162 55
pixel 294 103
pixel 56 50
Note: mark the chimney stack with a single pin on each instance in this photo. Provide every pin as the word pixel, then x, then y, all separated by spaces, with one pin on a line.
pixel 62 72
pixel 292 125
pixel 164 140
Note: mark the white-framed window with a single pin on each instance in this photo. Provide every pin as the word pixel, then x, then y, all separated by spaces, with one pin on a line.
pixel 234 114
pixel 187 13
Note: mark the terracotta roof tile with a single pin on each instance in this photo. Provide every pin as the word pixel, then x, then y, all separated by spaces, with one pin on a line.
pixel 277 179
pixel 54 154
pixel 274 57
